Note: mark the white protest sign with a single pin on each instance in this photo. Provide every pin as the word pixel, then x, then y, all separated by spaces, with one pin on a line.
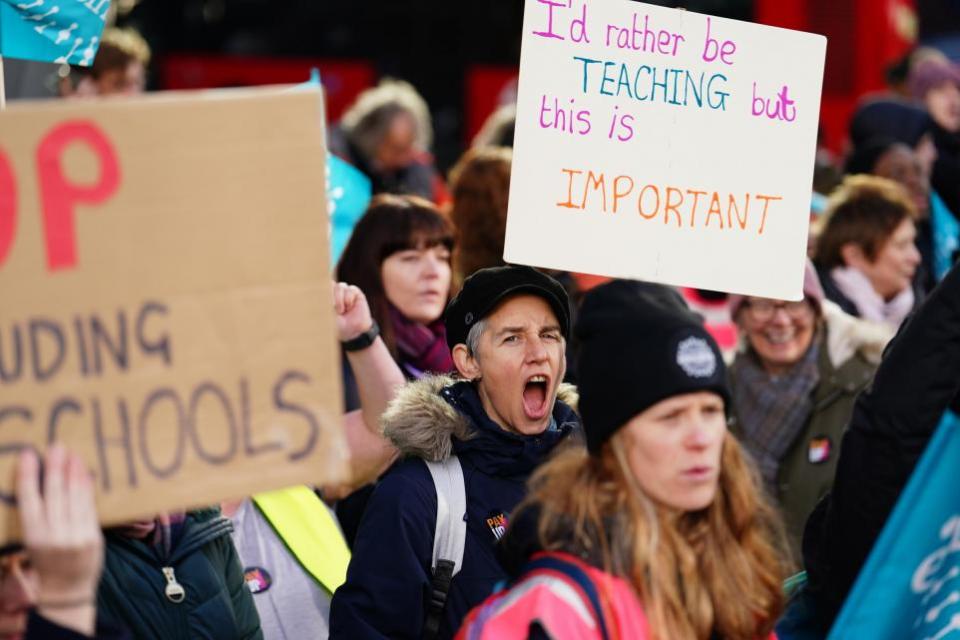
pixel 664 145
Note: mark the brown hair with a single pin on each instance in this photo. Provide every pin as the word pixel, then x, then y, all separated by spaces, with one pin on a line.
pixel 480 186
pixel 864 210
pixel 719 570
pixel 498 129
pixel 118 48
pixel 391 223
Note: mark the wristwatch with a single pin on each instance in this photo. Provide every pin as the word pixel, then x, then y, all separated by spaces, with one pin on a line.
pixel 363 340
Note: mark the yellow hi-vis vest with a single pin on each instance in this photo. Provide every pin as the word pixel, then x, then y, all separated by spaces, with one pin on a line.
pixel 309 531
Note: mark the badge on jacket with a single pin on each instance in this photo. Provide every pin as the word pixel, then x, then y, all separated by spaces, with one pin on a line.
pixel 497 521
pixel 257 578
pixel 819 449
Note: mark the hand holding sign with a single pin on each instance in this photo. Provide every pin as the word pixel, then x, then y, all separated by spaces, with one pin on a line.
pixel 664 145
pixel 61 536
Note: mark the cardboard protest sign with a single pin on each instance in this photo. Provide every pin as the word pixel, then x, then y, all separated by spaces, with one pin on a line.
pixel 167 305
pixel 62 31
pixel 910 585
pixel 664 145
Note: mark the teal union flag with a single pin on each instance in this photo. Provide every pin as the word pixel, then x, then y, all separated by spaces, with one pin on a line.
pixel 60 31
pixel 909 588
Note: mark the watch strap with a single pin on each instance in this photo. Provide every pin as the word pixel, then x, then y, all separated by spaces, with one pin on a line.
pixel 363 340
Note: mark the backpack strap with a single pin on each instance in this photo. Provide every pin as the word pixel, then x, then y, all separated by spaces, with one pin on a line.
pixel 449 538
pixel 579 577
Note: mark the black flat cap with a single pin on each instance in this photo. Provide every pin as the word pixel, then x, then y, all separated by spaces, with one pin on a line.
pixel 487 288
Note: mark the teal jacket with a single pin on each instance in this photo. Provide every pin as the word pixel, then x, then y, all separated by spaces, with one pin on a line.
pixel 216 605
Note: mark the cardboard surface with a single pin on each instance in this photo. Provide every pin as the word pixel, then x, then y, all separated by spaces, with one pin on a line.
pixel 664 145
pixel 164 268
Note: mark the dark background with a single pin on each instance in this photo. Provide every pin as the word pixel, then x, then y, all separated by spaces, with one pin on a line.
pixel 431 43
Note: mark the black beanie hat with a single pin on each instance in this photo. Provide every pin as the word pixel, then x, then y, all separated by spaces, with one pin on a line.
pixel 487 288
pixel 902 121
pixel 639 344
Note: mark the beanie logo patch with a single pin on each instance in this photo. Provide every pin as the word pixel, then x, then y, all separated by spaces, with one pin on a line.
pixel 696 358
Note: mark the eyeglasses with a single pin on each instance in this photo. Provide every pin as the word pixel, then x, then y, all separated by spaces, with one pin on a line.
pixel 763 310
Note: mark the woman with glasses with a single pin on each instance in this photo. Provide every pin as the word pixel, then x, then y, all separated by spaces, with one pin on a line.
pixel 798 370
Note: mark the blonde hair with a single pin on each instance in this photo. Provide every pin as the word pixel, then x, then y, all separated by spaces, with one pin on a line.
pixel 118 48
pixel 864 210
pixel 716 570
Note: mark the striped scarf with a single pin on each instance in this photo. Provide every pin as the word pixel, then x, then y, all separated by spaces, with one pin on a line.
pixel 773 410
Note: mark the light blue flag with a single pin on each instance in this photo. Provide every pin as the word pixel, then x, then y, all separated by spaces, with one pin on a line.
pixel 348 194
pixel 946 236
pixel 62 31
pixel 348 191
pixel 909 588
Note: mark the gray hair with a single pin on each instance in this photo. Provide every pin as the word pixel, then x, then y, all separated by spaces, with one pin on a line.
pixel 473 338
pixel 367 121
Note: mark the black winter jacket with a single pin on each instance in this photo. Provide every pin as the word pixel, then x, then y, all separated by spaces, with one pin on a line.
pixel 389 579
pixel 39 628
pixel 217 605
pixel 892 422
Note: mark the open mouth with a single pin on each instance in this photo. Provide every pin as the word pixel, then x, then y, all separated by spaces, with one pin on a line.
pixel 535 403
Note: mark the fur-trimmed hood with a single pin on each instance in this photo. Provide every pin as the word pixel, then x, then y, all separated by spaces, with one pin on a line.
pixel 848 335
pixel 420 422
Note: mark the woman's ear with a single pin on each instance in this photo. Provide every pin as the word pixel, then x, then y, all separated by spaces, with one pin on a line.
pixel 467 365
pixel 853 255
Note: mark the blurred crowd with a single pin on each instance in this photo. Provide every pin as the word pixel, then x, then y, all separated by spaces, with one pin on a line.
pixel 714 445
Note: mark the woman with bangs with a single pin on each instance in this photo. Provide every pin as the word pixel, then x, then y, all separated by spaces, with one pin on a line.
pixel 399 256
pixel 658 529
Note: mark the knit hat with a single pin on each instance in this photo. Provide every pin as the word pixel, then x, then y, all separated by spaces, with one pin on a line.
pixel 812 291
pixel 639 344
pixel 487 288
pixel 927 74
pixel 895 119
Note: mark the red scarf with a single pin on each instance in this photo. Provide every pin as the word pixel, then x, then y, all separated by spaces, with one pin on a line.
pixel 420 348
